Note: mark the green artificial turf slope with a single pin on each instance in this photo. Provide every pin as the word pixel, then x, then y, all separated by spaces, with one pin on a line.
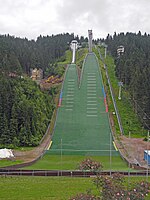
pixel 82 125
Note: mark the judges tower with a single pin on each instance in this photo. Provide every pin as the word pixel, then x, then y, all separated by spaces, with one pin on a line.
pixel 90 34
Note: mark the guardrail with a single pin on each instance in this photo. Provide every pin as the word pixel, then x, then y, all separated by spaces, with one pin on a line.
pixel 68 173
pixel 112 94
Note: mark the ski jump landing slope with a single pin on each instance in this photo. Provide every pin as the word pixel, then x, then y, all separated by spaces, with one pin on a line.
pixel 82 126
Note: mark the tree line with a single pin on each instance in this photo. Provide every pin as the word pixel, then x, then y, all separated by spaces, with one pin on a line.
pixel 133 69
pixel 20 54
pixel 25 110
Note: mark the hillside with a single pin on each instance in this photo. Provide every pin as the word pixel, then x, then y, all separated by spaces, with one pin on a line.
pixel 21 55
pixel 133 69
pixel 25 112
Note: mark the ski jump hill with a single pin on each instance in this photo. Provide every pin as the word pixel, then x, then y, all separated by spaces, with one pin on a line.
pixel 82 124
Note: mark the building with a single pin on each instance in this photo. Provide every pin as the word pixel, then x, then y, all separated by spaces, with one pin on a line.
pixel 90 34
pixel 147 156
pixel 74 46
pixel 36 74
pixel 120 50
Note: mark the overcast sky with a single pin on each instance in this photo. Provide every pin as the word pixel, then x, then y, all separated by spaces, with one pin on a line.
pixel 30 18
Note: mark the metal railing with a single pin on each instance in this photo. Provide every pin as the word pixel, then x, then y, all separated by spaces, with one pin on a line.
pixel 69 173
pixel 112 94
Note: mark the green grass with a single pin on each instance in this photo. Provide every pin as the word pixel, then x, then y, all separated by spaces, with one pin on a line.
pixel 125 108
pixel 48 188
pixel 45 188
pixel 51 162
pixel 67 58
pixel 5 162
pixel 129 119
pixel 80 55
pixel 130 182
pixel 24 148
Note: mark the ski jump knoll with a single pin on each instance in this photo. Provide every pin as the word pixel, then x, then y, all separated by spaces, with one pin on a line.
pixel 82 125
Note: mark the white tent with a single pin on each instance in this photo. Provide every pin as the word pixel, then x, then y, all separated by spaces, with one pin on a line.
pixel 6 153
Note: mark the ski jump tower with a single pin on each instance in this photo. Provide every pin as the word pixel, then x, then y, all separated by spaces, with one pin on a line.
pixel 90 34
pixel 74 47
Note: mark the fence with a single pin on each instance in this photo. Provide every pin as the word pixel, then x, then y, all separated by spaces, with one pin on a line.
pixel 9 172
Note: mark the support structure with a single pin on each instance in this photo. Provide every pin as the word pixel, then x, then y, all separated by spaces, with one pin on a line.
pixel 120 84
pixel 90 34
pixel 74 47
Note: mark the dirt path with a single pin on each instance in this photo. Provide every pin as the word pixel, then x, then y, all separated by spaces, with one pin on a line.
pixel 29 156
pixel 134 149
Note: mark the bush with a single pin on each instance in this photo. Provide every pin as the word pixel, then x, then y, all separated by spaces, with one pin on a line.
pixel 113 188
pixel 89 164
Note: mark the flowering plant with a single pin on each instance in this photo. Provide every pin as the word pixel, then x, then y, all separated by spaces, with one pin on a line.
pixel 89 164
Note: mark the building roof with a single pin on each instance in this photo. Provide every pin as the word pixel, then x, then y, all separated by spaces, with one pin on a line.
pixel 147 151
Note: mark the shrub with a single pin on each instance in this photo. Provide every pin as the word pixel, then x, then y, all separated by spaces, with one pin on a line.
pixel 89 164
pixel 113 188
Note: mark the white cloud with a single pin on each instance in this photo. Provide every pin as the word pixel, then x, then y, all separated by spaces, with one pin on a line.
pixel 30 18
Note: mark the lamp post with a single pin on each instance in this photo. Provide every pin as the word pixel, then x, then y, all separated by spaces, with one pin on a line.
pixel 105 51
pixel 147 155
pixel 61 156
pixel 105 46
pixel 110 152
pixel 129 124
pixel 129 160
pixel 120 84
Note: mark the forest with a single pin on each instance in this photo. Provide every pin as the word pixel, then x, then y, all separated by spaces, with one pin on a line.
pixel 25 110
pixel 133 69
pixel 21 55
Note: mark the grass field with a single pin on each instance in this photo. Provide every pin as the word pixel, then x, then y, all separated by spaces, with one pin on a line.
pixel 5 162
pixel 47 188
pixel 129 119
pixel 80 55
pixel 71 162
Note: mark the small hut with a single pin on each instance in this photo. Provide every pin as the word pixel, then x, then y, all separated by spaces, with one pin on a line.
pixel 147 156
